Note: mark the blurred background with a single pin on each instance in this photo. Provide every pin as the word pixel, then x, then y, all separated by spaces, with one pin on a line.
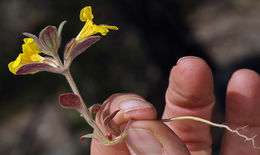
pixel 152 36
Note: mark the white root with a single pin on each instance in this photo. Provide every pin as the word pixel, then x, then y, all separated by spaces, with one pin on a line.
pixel 236 131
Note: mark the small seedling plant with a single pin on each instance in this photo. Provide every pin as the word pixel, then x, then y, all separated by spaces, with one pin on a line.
pixel 40 53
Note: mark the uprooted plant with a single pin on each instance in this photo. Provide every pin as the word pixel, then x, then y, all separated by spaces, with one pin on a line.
pixel 47 44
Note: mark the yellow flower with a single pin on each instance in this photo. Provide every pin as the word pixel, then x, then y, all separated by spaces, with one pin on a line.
pixel 30 54
pixel 90 28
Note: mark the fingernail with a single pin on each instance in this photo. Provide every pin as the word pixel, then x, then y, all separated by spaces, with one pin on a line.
pixel 134 104
pixel 142 141
pixel 182 58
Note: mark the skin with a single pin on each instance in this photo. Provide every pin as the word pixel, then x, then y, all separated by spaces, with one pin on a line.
pixel 190 92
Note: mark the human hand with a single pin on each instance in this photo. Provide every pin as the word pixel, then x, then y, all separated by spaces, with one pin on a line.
pixel 190 92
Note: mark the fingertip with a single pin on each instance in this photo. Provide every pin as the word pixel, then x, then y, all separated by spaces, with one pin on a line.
pixel 243 97
pixel 244 79
pixel 131 107
pixel 190 80
pixel 190 58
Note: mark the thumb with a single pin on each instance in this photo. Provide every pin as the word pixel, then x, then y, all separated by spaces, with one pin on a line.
pixel 154 138
pixel 145 134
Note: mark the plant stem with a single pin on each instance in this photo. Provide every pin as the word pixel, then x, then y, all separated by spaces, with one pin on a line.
pixel 84 111
pixel 70 80
pixel 72 84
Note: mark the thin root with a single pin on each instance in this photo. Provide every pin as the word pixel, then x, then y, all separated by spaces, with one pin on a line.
pixel 236 131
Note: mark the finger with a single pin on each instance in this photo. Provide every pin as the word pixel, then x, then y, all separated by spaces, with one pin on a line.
pixel 242 108
pixel 190 92
pixel 152 137
pixel 132 107
pixel 145 136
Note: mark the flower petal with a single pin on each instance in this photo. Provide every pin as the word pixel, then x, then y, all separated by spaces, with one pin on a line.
pixel 30 46
pixel 90 28
pixel 35 38
pixel 86 14
pixel 14 65
pixel 103 29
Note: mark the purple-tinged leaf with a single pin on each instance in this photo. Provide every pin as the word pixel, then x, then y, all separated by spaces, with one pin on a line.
pixel 70 100
pixel 31 68
pixel 76 48
pixel 83 45
pixel 113 140
pixel 110 117
pixel 124 132
pixel 49 40
pixel 110 137
pixel 127 126
pixel 90 135
pixel 50 61
pixel 82 138
pixel 70 45
pixel 94 108
pixel 60 29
